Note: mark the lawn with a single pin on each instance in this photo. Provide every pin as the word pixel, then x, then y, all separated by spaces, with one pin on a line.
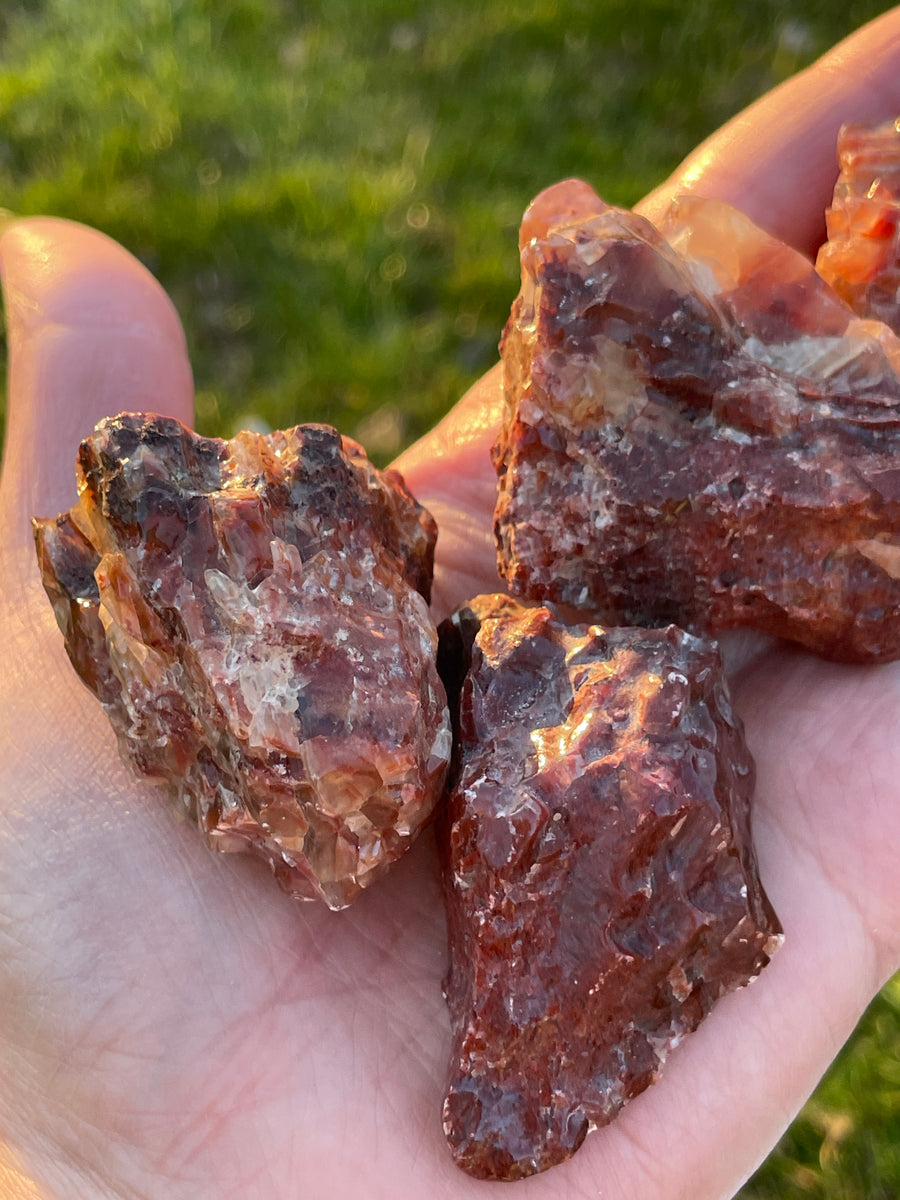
pixel 330 192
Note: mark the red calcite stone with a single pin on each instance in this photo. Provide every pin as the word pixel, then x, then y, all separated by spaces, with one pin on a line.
pixel 697 430
pixel 601 885
pixel 252 615
pixel 861 258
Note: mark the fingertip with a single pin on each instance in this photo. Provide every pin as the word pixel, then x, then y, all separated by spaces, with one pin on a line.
pixel 90 332
pixel 67 273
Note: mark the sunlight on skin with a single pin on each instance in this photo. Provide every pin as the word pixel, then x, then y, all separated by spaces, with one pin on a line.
pixel 449 471
pixel 172 1027
pixel 13 1183
pixel 790 134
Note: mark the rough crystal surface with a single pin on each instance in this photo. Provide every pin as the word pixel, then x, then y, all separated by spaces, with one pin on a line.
pixel 698 431
pixel 601 884
pixel 861 258
pixel 252 615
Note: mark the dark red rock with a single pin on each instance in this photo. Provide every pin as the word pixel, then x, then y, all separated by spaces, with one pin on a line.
pixel 252 615
pixel 861 258
pixel 698 431
pixel 601 884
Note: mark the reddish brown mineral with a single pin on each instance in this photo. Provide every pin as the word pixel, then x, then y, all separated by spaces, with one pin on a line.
pixel 698 431
pixel 601 884
pixel 861 259
pixel 252 615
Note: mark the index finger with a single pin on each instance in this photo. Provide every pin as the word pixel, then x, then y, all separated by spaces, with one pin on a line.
pixel 776 160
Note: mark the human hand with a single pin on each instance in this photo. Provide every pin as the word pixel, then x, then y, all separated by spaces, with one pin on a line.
pixel 171 1026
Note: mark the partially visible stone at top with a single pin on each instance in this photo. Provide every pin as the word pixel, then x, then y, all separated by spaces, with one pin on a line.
pixel 861 258
pixel 253 616
pixel 697 430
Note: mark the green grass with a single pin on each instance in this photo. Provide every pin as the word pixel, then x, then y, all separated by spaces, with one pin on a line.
pixel 330 193
pixel 845 1145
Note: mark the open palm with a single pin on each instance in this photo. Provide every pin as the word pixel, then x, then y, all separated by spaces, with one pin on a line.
pixel 173 1027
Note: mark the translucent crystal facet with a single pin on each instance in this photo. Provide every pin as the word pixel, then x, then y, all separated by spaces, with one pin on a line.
pixel 861 258
pixel 697 430
pixel 252 614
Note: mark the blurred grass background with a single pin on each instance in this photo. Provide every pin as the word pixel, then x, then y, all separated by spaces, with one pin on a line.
pixel 330 192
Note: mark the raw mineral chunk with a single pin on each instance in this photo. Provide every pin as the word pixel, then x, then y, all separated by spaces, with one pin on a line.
pixel 699 431
pixel 252 615
pixel 601 884
pixel 861 259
